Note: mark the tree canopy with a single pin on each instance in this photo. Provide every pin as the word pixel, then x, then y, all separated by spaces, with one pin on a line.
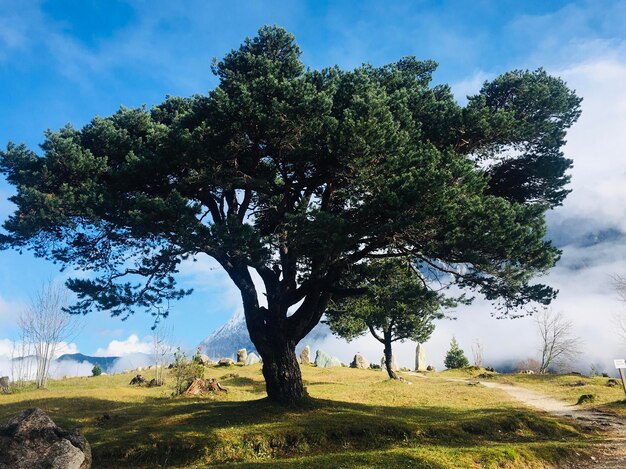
pixel 394 305
pixel 298 174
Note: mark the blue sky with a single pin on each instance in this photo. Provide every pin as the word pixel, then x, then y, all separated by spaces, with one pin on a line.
pixel 68 61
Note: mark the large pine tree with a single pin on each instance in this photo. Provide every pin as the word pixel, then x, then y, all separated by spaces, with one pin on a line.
pixel 299 174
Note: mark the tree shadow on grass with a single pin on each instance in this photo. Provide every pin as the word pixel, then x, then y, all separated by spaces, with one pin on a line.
pixel 166 431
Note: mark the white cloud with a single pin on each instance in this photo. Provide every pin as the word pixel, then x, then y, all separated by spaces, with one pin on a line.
pixel 10 348
pixel 470 85
pixel 132 362
pixel 120 348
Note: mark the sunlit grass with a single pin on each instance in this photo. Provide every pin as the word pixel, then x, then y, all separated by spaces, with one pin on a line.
pixel 355 418
pixel 567 387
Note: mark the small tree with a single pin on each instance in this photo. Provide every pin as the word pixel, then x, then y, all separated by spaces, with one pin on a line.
pixel 455 358
pixel 558 345
pixel 393 306
pixel 162 348
pixel 45 324
pixel 96 370
pixel 21 362
pixel 185 371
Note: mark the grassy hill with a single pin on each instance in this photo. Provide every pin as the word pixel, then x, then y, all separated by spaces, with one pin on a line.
pixel 356 418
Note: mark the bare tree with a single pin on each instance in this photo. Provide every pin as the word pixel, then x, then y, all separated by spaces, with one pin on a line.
pixel 619 282
pixel 44 324
pixel 477 351
pixel 163 348
pixel 21 361
pixel 559 346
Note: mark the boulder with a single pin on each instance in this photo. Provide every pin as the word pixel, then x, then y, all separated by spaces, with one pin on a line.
pixel 242 355
pixel 32 440
pixel 359 362
pixel 305 355
pixel 5 384
pixel 252 359
pixel 431 368
pixel 383 366
pixel 323 360
pixel 137 380
pixel 334 361
pixel 225 362
pixel 203 359
pixel 420 358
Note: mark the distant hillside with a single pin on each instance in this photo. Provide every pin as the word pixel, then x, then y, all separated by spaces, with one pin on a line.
pixel 106 363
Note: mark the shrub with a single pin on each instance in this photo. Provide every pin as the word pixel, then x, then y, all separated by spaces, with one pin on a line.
pixel 96 370
pixel 185 371
pixel 455 358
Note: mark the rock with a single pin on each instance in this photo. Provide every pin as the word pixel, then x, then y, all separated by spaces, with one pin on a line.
pixel 612 383
pixel 252 359
pixel 431 368
pixel 305 355
pixel 153 383
pixel 323 360
pixel 420 358
pixel 359 362
pixel 383 366
pixel 242 355
pixel 32 440
pixel 137 380
pixel 202 386
pixel 334 361
pixel 526 372
pixel 5 385
pixel 225 362
pixel 203 359
pixel 586 398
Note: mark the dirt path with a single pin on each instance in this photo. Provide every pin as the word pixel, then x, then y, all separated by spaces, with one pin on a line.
pixel 611 453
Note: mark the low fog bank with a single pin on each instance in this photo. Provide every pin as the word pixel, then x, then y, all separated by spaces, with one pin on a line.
pixel 69 368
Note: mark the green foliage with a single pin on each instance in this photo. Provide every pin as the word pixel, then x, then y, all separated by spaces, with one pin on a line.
pixel 300 174
pixel 96 370
pixel 393 303
pixel 455 357
pixel 184 371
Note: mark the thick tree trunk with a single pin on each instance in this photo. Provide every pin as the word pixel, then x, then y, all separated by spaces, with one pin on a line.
pixel 283 380
pixel 273 333
pixel 388 356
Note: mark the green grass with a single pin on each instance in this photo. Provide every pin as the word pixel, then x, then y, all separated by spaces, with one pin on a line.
pixel 355 418
pixel 567 387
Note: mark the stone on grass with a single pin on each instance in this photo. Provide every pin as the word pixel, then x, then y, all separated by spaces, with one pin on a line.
pixel 139 379
pixel 204 360
pixel 252 359
pixel 242 354
pixel 5 385
pixel 225 362
pixel 323 360
pixel 383 365
pixel 420 358
pixel 359 362
pixel 305 355
pixel 32 440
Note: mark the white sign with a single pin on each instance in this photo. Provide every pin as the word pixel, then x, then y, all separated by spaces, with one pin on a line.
pixel 621 363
